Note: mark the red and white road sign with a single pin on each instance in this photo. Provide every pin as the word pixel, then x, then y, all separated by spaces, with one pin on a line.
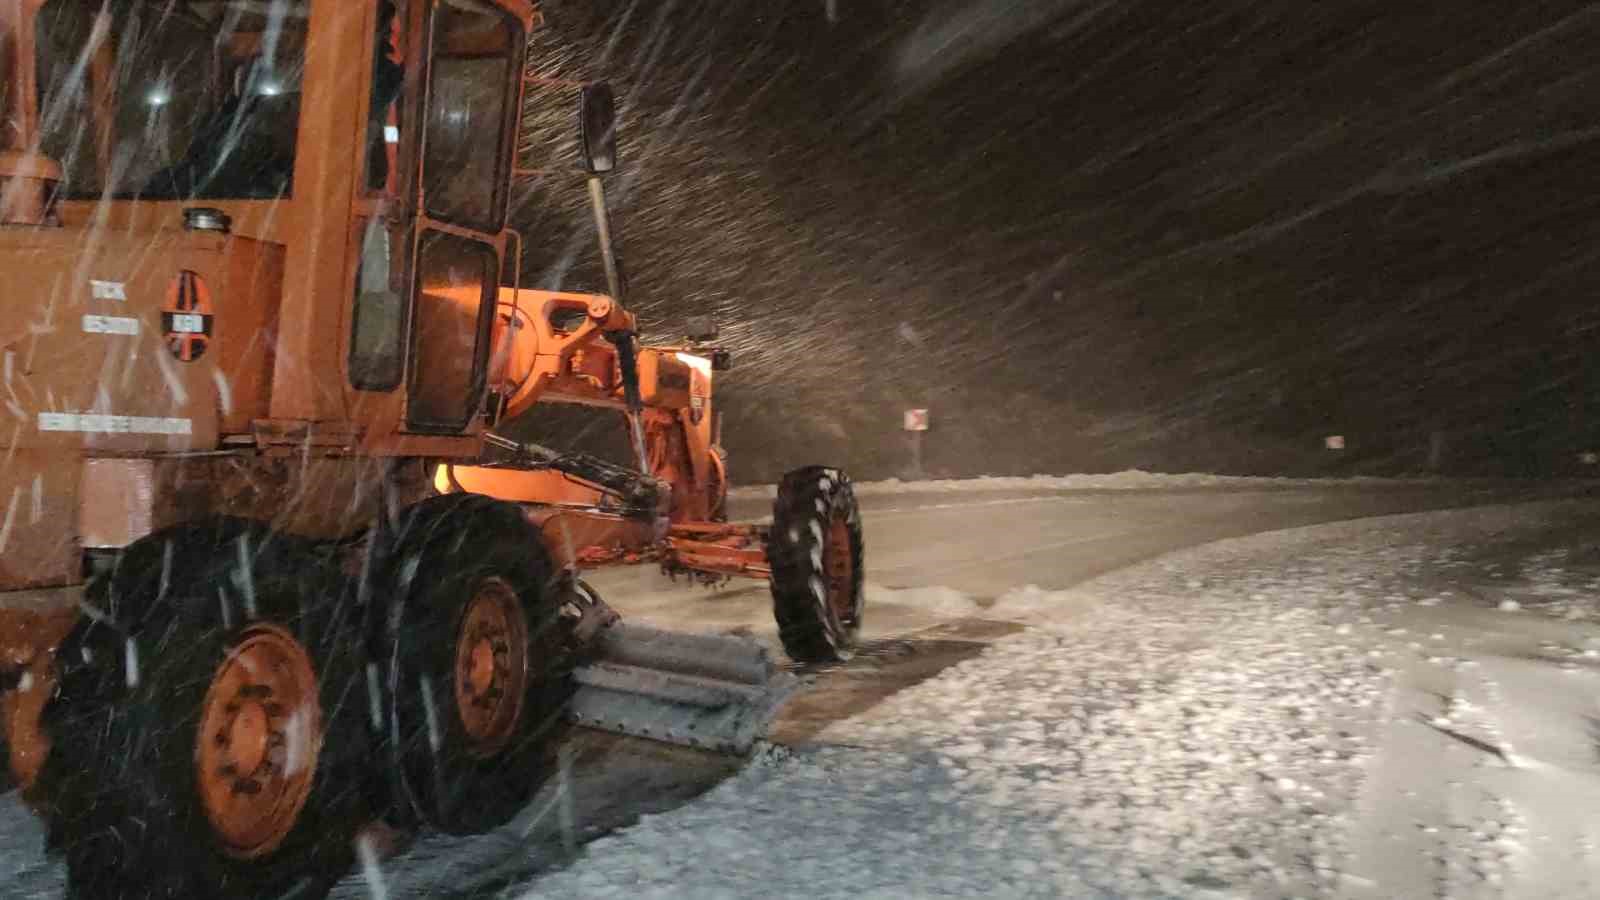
pixel 916 420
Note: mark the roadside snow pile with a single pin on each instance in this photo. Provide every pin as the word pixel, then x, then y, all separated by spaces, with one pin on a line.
pixel 1031 599
pixel 1130 480
pixel 1563 583
pixel 941 600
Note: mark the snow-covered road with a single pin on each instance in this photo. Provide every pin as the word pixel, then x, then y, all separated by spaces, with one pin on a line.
pixel 1197 692
pixel 1393 708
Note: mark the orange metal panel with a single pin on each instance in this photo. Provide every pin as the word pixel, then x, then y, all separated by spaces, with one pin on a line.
pixel 38 519
pixel 313 495
pixel 568 534
pixel 317 279
pixel 270 221
pixel 699 432
pixel 19 110
pixel 117 501
pixel 725 560
pixel 575 364
pixel 247 323
pixel 663 379
pixel 91 333
pixel 28 639
pixel 543 486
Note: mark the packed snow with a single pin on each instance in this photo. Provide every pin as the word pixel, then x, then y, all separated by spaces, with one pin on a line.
pixel 1336 711
pixel 1129 480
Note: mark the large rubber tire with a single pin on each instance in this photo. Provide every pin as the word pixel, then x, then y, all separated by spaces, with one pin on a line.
pixel 7 783
pixel 448 552
pixel 817 595
pixel 717 488
pixel 121 786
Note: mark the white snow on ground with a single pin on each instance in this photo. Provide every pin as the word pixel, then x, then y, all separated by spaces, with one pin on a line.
pixel 1132 479
pixel 941 600
pixel 1567 580
pixel 1318 712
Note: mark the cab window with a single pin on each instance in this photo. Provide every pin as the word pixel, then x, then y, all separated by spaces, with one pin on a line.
pixel 385 112
pixel 172 99
pixel 475 68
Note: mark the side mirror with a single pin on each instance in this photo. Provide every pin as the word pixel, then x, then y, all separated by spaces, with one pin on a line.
pixel 721 361
pixel 597 115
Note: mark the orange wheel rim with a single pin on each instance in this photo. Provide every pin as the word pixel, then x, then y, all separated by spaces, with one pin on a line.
pixel 259 739
pixel 491 675
pixel 716 486
pixel 840 570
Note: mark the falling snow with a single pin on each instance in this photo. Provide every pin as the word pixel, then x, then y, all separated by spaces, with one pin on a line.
pixel 1343 245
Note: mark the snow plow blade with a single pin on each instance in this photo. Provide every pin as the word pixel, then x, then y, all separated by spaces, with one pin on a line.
pixel 710 691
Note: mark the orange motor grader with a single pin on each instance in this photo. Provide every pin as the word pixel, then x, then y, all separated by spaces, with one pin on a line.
pixel 269 570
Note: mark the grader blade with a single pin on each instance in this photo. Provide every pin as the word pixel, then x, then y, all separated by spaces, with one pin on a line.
pixel 714 692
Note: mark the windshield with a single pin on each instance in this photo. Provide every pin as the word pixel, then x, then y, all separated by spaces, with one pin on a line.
pixel 172 100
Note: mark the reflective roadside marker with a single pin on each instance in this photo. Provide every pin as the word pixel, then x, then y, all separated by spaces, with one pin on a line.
pixel 1334 442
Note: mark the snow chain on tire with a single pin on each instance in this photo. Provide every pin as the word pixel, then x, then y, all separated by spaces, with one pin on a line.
pixel 123 795
pixel 472 572
pixel 815 551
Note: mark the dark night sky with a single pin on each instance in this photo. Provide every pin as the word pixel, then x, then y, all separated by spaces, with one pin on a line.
pixel 1102 234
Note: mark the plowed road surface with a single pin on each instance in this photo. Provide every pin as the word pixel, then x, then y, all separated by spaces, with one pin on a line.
pixel 942 569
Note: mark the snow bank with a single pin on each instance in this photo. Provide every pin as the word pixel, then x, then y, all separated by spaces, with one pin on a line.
pixel 1131 480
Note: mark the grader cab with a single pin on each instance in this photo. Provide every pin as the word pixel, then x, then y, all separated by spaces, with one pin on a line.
pixel 270 569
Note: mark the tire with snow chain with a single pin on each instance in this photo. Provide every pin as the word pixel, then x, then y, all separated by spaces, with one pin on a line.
pixel 7 782
pixel 209 728
pixel 717 486
pixel 478 671
pixel 815 552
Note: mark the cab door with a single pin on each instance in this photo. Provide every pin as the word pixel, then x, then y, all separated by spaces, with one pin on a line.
pixel 446 82
pixel 469 114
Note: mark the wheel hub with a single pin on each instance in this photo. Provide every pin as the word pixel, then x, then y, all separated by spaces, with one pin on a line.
pixel 258 742
pixel 839 568
pixel 482 665
pixel 491 667
pixel 247 737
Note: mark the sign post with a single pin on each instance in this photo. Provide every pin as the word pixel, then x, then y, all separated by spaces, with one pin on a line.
pixel 916 423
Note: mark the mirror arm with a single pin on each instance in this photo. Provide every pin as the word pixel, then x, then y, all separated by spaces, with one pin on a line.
pixel 602 225
pixel 625 341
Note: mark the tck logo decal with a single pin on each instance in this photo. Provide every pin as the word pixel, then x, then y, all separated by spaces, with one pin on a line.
pixel 186 316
